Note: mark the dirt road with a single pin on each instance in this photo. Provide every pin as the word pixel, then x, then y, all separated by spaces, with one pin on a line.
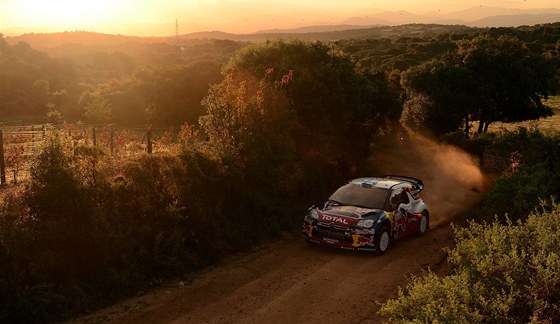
pixel 290 281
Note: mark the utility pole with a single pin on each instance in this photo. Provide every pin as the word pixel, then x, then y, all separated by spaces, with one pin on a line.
pixel 177 31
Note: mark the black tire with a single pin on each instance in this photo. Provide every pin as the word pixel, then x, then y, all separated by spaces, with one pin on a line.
pixel 424 223
pixel 382 240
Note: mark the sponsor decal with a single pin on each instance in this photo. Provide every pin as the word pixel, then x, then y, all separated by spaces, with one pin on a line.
pixel 334 219
pixel 399 221
pixel 334 234
pixel 364 231
pixel 361 240
pixel 330 240
pixel 308 230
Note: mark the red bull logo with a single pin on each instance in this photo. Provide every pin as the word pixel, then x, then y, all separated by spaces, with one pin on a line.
pixel 361 240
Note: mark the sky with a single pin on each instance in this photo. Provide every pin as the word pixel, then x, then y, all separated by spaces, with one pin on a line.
pixel 157 17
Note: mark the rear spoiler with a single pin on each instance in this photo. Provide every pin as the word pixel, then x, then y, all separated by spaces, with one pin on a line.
pixel 416 182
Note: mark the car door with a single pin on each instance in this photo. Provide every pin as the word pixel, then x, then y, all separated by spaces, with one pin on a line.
pixel 400 205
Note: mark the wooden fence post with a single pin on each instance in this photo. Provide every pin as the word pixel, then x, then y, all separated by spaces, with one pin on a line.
pixel 2 164
pixel 150 140
pixel 111 137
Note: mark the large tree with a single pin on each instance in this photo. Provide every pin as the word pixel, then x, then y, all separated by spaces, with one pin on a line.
pixel 440 96
pixel 338 108
pixel 488 79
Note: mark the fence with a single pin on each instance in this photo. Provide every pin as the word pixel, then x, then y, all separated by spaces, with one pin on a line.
pixel 19 144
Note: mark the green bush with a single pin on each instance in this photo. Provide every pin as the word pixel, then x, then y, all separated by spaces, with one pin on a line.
pixel 527 162
pixel 501 273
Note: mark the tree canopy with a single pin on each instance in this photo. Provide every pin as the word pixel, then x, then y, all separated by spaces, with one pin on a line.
pixel 485 79
pixel 338 108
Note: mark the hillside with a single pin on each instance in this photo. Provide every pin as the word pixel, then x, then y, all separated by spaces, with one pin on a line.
pixel 321 33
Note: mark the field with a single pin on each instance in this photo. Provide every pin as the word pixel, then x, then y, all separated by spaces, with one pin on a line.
pixel 21 144
pixel 546 125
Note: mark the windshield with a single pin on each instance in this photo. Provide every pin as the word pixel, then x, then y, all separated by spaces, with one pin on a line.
pixel 356 195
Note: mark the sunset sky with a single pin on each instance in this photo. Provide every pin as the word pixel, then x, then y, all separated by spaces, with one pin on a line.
pixel 157 17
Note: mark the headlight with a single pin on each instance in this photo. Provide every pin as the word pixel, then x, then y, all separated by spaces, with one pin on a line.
pixel 366 223
pixel 313 213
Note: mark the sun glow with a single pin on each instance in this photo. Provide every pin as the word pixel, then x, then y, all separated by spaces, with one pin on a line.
pixel 157 17
pixel 68 13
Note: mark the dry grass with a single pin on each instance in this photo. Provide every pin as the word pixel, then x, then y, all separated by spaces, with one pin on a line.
pixel 545 125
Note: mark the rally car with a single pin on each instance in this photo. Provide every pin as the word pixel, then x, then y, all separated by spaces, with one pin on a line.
pixel 368 214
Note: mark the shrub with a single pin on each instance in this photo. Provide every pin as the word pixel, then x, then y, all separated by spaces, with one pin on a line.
pixel 501 273
pixel 527 162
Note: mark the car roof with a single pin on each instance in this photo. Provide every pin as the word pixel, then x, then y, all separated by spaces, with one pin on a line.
pixel 387 182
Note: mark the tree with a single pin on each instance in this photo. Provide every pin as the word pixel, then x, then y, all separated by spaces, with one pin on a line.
pixel 338 109
pixel 509 78
pixel 4 47
pixel 249 122
pixel 486 79
pixel 440 96
pixel 250 126
pixel 96 108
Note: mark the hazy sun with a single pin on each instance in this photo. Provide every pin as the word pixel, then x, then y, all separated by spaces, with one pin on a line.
pixel 68 12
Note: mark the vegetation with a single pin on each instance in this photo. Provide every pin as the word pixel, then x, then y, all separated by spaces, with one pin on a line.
pixel 486 79
pixel 253 141
pixel 511 271
pixel 528 163
pixel 339 109
pixel 150 83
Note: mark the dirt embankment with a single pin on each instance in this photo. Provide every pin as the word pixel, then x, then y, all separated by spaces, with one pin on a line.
pixel 289 281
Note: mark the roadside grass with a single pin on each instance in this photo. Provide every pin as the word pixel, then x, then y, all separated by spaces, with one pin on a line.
pixel 548 125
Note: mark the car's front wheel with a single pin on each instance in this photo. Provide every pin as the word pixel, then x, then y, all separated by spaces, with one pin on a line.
pixel 382 240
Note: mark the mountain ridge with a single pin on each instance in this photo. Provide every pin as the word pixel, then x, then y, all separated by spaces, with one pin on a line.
pixel 479 16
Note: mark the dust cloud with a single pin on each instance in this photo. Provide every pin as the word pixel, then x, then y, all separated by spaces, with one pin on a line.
pixel 452 178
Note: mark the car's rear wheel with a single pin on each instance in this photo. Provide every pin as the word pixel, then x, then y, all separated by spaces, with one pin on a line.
pixel 424 223
pixel 382 240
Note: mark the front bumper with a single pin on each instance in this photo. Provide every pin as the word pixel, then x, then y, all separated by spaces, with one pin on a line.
pixel 341 237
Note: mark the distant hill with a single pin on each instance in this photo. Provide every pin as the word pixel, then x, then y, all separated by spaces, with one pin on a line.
pixel 42 41
pixel 300 19
pixel 516 20
pixel 316 29
pixel 481 12
pixel 480 16
pixel 59 43
pixel 389 18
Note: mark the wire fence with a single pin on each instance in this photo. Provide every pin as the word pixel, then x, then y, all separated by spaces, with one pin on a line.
pixel 20 144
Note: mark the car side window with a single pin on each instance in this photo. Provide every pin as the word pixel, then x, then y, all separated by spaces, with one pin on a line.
pixel 398 196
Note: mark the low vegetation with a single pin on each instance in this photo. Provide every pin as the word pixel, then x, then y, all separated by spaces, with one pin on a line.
pixel 501 273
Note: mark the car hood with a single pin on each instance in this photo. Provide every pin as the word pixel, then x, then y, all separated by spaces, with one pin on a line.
pixel 347 215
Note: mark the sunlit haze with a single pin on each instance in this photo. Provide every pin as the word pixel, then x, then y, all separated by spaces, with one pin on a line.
pixel 157 17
